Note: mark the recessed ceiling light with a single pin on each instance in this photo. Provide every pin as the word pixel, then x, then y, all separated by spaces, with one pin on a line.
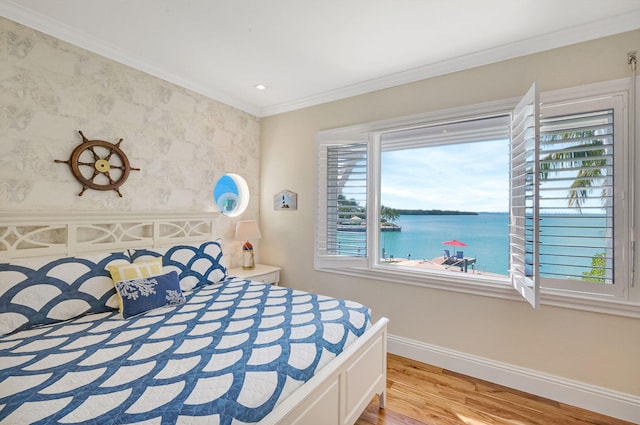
pixel 260 86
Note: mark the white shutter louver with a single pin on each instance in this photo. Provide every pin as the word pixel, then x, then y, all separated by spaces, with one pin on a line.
pixel 523 222
pixel 576 197
pixel 342 205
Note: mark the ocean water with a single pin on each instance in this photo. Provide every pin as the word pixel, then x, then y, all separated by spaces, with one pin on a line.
pixel 487 239
pixel 486 236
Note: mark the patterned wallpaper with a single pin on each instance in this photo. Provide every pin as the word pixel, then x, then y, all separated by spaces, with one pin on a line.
pixel 182 141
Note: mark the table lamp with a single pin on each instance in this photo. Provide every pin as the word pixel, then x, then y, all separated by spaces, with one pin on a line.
pixel 245 230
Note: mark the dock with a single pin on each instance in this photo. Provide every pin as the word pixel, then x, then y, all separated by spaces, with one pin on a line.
pixel 464 263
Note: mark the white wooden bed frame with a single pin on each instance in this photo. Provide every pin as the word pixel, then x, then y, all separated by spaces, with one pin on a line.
pixel 338 394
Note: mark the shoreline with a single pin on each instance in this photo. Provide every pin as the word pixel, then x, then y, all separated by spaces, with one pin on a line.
pixel 421 239
pixel 437 263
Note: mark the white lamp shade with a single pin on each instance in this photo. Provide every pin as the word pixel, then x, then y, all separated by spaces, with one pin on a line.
pixel 247 230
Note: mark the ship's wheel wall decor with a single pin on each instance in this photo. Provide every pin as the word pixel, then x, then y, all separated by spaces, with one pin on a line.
pixel 99 165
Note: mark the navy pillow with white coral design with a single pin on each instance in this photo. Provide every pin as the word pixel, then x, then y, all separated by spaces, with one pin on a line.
pixel 148 293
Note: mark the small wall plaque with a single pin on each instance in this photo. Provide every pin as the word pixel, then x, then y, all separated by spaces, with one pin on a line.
pixel 285 201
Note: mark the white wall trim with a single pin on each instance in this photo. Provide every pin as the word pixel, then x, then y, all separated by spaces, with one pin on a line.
pixel 596 399
pixel 568 36
pixel 12 9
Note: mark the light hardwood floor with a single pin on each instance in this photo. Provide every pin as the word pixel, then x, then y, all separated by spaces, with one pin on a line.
pixel 421 394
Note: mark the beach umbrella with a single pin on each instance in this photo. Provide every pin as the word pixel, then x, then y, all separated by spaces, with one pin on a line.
pixel 454 242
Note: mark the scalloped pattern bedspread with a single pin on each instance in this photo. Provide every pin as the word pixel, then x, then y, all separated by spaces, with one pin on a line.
pixel 228 356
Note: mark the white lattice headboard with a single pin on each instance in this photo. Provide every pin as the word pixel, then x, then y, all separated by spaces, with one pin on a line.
pixel 65 234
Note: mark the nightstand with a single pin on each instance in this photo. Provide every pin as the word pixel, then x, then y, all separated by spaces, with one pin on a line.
pixel 260 273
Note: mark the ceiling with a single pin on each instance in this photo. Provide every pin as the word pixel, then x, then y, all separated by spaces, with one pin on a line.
pixel 309 52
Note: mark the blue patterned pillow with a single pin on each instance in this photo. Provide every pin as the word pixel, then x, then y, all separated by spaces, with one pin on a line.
pixel 44 290
pixel 196 265
pixel 147 293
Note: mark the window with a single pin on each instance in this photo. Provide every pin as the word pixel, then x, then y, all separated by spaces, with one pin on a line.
pixel 448 185
pixel 563 230
pixel 343 236
pixel 231 194
pixel 583 212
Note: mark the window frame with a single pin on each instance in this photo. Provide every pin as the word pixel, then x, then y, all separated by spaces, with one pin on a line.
pixel 625 305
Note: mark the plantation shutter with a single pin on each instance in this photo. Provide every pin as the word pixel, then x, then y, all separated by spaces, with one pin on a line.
pixel 524 219
pixel 341 228
pixel 576 191
pixel 480 129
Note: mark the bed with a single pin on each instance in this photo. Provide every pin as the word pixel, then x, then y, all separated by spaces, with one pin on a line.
pixel 214 349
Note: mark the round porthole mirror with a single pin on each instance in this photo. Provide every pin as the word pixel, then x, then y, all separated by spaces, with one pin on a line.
pixel 231 194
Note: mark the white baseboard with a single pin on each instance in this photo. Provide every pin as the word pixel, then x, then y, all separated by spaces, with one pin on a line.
pixel 596 399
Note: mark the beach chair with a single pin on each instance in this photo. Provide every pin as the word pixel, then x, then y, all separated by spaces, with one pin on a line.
pixel 447 255
pixel 459 255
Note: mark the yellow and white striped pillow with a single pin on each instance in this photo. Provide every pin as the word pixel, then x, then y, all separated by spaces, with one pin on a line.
pixel 120 272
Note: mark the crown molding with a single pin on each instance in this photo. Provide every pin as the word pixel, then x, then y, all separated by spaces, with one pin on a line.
pixel 606 27
pixel 566 37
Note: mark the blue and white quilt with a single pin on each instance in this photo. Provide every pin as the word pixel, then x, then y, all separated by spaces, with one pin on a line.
pixel 229 355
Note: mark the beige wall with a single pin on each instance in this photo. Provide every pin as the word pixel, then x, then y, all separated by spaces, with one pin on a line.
pixel 182 141
pixel 598 349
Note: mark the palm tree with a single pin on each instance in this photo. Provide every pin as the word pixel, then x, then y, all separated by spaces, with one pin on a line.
pixel 589 158
pixel 590 163
pixel 388 215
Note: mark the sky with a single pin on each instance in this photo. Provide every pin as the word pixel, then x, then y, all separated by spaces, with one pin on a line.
pixel 464 177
